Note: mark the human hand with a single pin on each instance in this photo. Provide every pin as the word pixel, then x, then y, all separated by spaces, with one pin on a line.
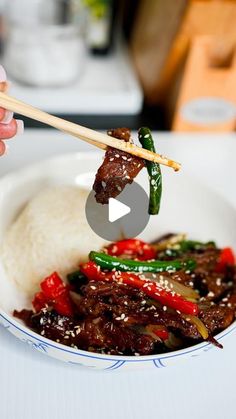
pixel 9 126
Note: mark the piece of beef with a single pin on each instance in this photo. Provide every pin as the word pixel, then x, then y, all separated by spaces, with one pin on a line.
pixel 111 317
pixel 94 334
pixel 117 170
pixel 217 318
pixel 129 307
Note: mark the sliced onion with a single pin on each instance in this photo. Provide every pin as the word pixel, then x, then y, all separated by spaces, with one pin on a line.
pixel 76 298
pixel 183 290
pixel 199 325
pixel 152 330
pixel 173 342
pixel 172 285
pixel 149 330
pixel 169 243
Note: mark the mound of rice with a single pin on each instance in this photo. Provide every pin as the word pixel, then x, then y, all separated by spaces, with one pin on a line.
pixel 50 234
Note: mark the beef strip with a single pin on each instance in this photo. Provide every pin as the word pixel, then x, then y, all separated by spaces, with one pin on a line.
pixel 111 317
pixel 93 333
pixel 117 170
pixel 217 318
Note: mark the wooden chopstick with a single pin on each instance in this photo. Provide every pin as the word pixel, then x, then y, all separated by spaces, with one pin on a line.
pixel 90 136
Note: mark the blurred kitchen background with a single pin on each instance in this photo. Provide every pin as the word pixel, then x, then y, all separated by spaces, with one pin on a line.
pixel 168 64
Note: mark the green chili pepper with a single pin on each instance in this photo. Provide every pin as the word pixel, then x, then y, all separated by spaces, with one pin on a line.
pixel 109 262
pixel 154 172
pixel 76 279
pixel 173 253
pixel 186 245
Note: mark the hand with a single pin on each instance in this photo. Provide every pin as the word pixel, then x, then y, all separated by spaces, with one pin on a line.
pixel 9 126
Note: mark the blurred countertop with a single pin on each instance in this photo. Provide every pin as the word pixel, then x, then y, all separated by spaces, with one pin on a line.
pixel 35 386
pixel 105 85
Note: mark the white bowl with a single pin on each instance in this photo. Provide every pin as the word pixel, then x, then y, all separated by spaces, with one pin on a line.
pixel 187 206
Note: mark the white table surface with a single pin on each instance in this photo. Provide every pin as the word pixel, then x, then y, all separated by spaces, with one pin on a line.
pixel 33 386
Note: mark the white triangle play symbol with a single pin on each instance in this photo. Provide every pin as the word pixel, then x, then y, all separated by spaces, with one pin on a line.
pixel 116 210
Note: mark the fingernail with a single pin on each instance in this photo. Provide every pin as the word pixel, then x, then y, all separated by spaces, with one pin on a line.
pixel 20 126
pixel 3 76
pixel 7 117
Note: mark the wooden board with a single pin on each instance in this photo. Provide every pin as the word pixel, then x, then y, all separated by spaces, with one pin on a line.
pixel 207 99
pixel 160 47
pixel 155 28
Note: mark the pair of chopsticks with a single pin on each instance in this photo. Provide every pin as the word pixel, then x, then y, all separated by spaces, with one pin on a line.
pixel 90 136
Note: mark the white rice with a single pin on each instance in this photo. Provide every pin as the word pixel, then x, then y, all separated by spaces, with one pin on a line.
pixel 50 234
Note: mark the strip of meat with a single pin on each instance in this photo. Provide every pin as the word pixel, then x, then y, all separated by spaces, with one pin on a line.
pixel 117 170
pixel 217 318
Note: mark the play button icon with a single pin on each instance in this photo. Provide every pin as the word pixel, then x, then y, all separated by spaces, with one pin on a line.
pixel 124 216
pixel 117 210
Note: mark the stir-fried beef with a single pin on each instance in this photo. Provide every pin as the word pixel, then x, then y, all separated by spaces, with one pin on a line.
pixel 117 170
pixel 114 318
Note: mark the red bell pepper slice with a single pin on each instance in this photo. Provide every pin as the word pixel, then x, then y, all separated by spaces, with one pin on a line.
pixel 150 288
pixel 54 293
pixel 39 301
pixel 161 333
pixel 226 258
pixel 52 286
pixel 132 247
pixel 62 303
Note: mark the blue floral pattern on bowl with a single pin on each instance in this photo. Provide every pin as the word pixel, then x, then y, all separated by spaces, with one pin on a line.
pixel 103 362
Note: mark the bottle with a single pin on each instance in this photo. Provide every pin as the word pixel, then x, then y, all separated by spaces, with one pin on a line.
pixel 100 25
